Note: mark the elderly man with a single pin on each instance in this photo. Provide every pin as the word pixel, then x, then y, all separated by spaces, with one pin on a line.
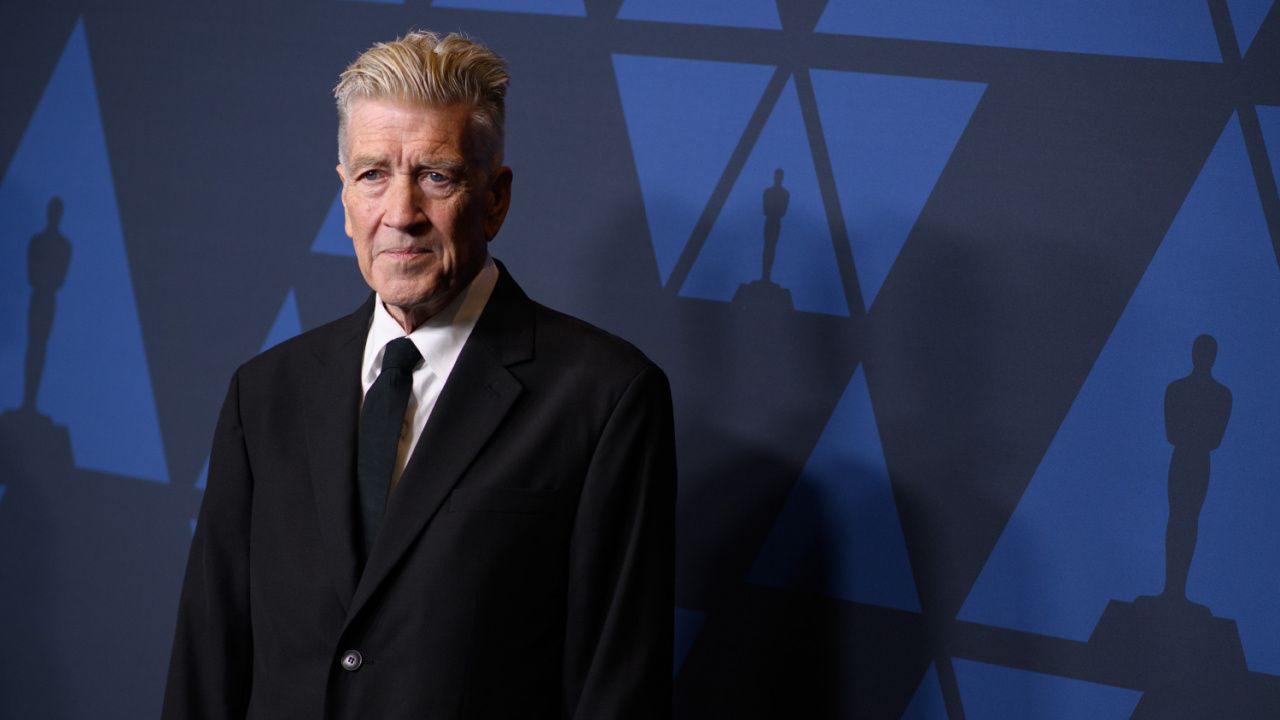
pixel 453 503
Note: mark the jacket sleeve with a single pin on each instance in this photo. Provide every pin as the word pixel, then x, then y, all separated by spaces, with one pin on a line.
pixel 210 669
pixel 621 583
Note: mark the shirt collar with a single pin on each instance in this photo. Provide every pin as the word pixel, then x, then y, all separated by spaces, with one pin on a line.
pixel 440 339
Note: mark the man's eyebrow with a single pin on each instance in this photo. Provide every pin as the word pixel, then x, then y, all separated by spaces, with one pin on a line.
pixel 447 163
pixel 364 161
pixel 434 162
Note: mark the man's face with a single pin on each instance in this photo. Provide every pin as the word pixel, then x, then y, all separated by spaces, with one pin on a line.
pixel 421 204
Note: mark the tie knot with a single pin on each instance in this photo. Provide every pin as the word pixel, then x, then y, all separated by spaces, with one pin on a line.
pixel 400 354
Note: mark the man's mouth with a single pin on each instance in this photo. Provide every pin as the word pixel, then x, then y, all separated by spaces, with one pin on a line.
pixel 405 253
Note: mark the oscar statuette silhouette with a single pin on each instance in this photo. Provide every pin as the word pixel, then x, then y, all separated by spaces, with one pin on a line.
pixel 765 295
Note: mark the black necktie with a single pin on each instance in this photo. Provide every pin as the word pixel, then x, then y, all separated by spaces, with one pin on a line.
pixel 381 420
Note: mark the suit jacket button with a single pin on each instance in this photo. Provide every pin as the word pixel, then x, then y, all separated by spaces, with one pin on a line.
pixel 351 660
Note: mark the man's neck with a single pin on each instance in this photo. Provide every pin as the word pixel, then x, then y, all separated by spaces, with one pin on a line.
pixel 410 318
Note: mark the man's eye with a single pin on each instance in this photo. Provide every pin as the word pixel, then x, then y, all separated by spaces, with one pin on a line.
pixel 371 175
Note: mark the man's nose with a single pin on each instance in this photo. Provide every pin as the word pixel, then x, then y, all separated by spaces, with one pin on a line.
pixel 403 210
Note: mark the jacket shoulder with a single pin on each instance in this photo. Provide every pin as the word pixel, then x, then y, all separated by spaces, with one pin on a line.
pixel 591 365
pixel 577 343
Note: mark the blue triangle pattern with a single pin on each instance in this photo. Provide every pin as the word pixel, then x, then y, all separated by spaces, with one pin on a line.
pixel 1174 29
pixel 678 162
pixel 729 13
pixel 688 625
pixel 889 138
pixel 106 404
pixel 1269 118
pixel 1094 513
pixel 992 692
pixel 332 238
pixel 806 260
pixel 287 323
pixel 540 7
pixel 927 703
pixel 838 532
pixel 1246 18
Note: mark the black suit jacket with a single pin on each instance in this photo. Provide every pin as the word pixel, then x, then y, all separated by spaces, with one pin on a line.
pixel 525 564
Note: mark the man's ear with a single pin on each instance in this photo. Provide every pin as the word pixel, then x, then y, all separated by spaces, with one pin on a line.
pixel 346 215
pixel 497 201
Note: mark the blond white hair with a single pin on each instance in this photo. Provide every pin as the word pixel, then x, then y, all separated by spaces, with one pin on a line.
pixel 426 70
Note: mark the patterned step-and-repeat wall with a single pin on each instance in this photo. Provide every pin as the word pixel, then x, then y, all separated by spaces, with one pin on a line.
pixel 972 313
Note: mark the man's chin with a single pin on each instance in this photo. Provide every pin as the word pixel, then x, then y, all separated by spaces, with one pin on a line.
pixel 410 290
pixel 415 306
pixel 413 303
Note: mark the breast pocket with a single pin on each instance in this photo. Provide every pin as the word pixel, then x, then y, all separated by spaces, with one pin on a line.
pixel 516 501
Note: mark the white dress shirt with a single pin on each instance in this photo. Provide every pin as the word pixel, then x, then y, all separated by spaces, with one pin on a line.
pixel 439 340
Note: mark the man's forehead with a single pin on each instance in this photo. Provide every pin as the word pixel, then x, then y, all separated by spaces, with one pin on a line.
pixel 376 126
pixel 441 159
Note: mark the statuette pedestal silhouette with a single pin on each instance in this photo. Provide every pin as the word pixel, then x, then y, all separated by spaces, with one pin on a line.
pixel 763 295
pixel 33 446
pixel 1176 649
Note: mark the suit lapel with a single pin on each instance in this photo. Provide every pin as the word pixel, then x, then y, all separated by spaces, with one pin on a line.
pixel 476 398
pixel 332 410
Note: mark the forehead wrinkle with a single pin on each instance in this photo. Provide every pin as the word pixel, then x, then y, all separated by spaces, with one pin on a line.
pixel 437 161
pixel 382 134
pixel 438 156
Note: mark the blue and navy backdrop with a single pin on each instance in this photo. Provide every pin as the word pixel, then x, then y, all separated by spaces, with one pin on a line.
pixel 925 448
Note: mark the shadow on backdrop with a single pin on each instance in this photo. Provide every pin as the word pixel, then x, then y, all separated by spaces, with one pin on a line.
pixel 87 559
pixel 765 292
pixel 48 257
pixel 761 381
pixel 1189 662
